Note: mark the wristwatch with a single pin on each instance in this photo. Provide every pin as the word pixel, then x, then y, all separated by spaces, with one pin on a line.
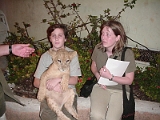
pixel 111 79
pixel 10 49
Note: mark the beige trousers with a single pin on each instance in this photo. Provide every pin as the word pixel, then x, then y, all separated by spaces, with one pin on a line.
pixel 106 104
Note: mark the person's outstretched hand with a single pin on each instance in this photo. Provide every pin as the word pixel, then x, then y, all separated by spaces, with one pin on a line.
pixel 22 50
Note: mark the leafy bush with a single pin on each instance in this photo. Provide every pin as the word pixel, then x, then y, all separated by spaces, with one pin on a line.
pixel 21 70
pixel 84 45
pixel 149 79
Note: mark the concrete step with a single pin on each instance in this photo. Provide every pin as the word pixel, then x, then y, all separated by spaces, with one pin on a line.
pixel 145 110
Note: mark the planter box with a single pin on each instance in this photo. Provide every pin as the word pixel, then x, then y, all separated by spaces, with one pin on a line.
pixel 141 64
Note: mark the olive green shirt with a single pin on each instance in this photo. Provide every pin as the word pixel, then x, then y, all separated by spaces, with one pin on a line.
pixel 101 58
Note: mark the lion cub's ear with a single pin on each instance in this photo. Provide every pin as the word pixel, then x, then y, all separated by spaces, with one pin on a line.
pixel 52 53
pixel 72 54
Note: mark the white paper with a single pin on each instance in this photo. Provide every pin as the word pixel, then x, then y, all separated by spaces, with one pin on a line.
pixel 117 68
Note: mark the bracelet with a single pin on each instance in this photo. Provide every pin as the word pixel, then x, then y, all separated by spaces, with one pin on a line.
pixel 10 49
pixel 111 79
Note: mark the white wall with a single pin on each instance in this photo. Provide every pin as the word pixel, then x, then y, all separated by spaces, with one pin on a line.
pixel 141 23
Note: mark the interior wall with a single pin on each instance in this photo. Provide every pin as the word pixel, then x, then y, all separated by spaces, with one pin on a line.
pixel 141 23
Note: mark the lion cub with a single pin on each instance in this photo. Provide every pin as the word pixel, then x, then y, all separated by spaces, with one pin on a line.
pixel 59 68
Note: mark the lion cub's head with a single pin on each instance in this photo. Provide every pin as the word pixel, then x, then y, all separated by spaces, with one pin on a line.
pixel 62 58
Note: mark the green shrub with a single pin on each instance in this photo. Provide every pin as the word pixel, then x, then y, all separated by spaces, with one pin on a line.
pixel 21 70
pixel 84 45
pixel 149 79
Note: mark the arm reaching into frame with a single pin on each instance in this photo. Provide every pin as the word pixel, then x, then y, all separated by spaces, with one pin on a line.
pixel 21 50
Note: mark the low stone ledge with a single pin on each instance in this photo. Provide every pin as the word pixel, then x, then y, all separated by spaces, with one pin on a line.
pixel 30 111
pixel 145 110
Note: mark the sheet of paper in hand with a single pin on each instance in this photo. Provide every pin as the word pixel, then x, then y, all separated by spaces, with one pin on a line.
pixel 117 68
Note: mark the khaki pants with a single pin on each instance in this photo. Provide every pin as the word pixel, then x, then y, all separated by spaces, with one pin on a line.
pixel 106 104
pixel 47 114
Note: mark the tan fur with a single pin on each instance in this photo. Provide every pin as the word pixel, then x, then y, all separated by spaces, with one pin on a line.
pixel 58 69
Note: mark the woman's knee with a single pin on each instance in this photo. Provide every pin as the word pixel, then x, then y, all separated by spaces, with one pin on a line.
pixel 96 116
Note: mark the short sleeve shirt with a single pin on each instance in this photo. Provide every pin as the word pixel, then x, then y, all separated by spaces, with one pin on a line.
pixel 101 58
pixel 46 60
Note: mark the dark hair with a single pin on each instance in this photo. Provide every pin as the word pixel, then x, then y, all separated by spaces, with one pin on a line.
pixel 54 26
pixel 118 30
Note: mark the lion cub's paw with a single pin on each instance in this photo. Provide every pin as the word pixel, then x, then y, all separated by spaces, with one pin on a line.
pixel 40 99
pixel 40 96
pixel 64 87
pixel 76 116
